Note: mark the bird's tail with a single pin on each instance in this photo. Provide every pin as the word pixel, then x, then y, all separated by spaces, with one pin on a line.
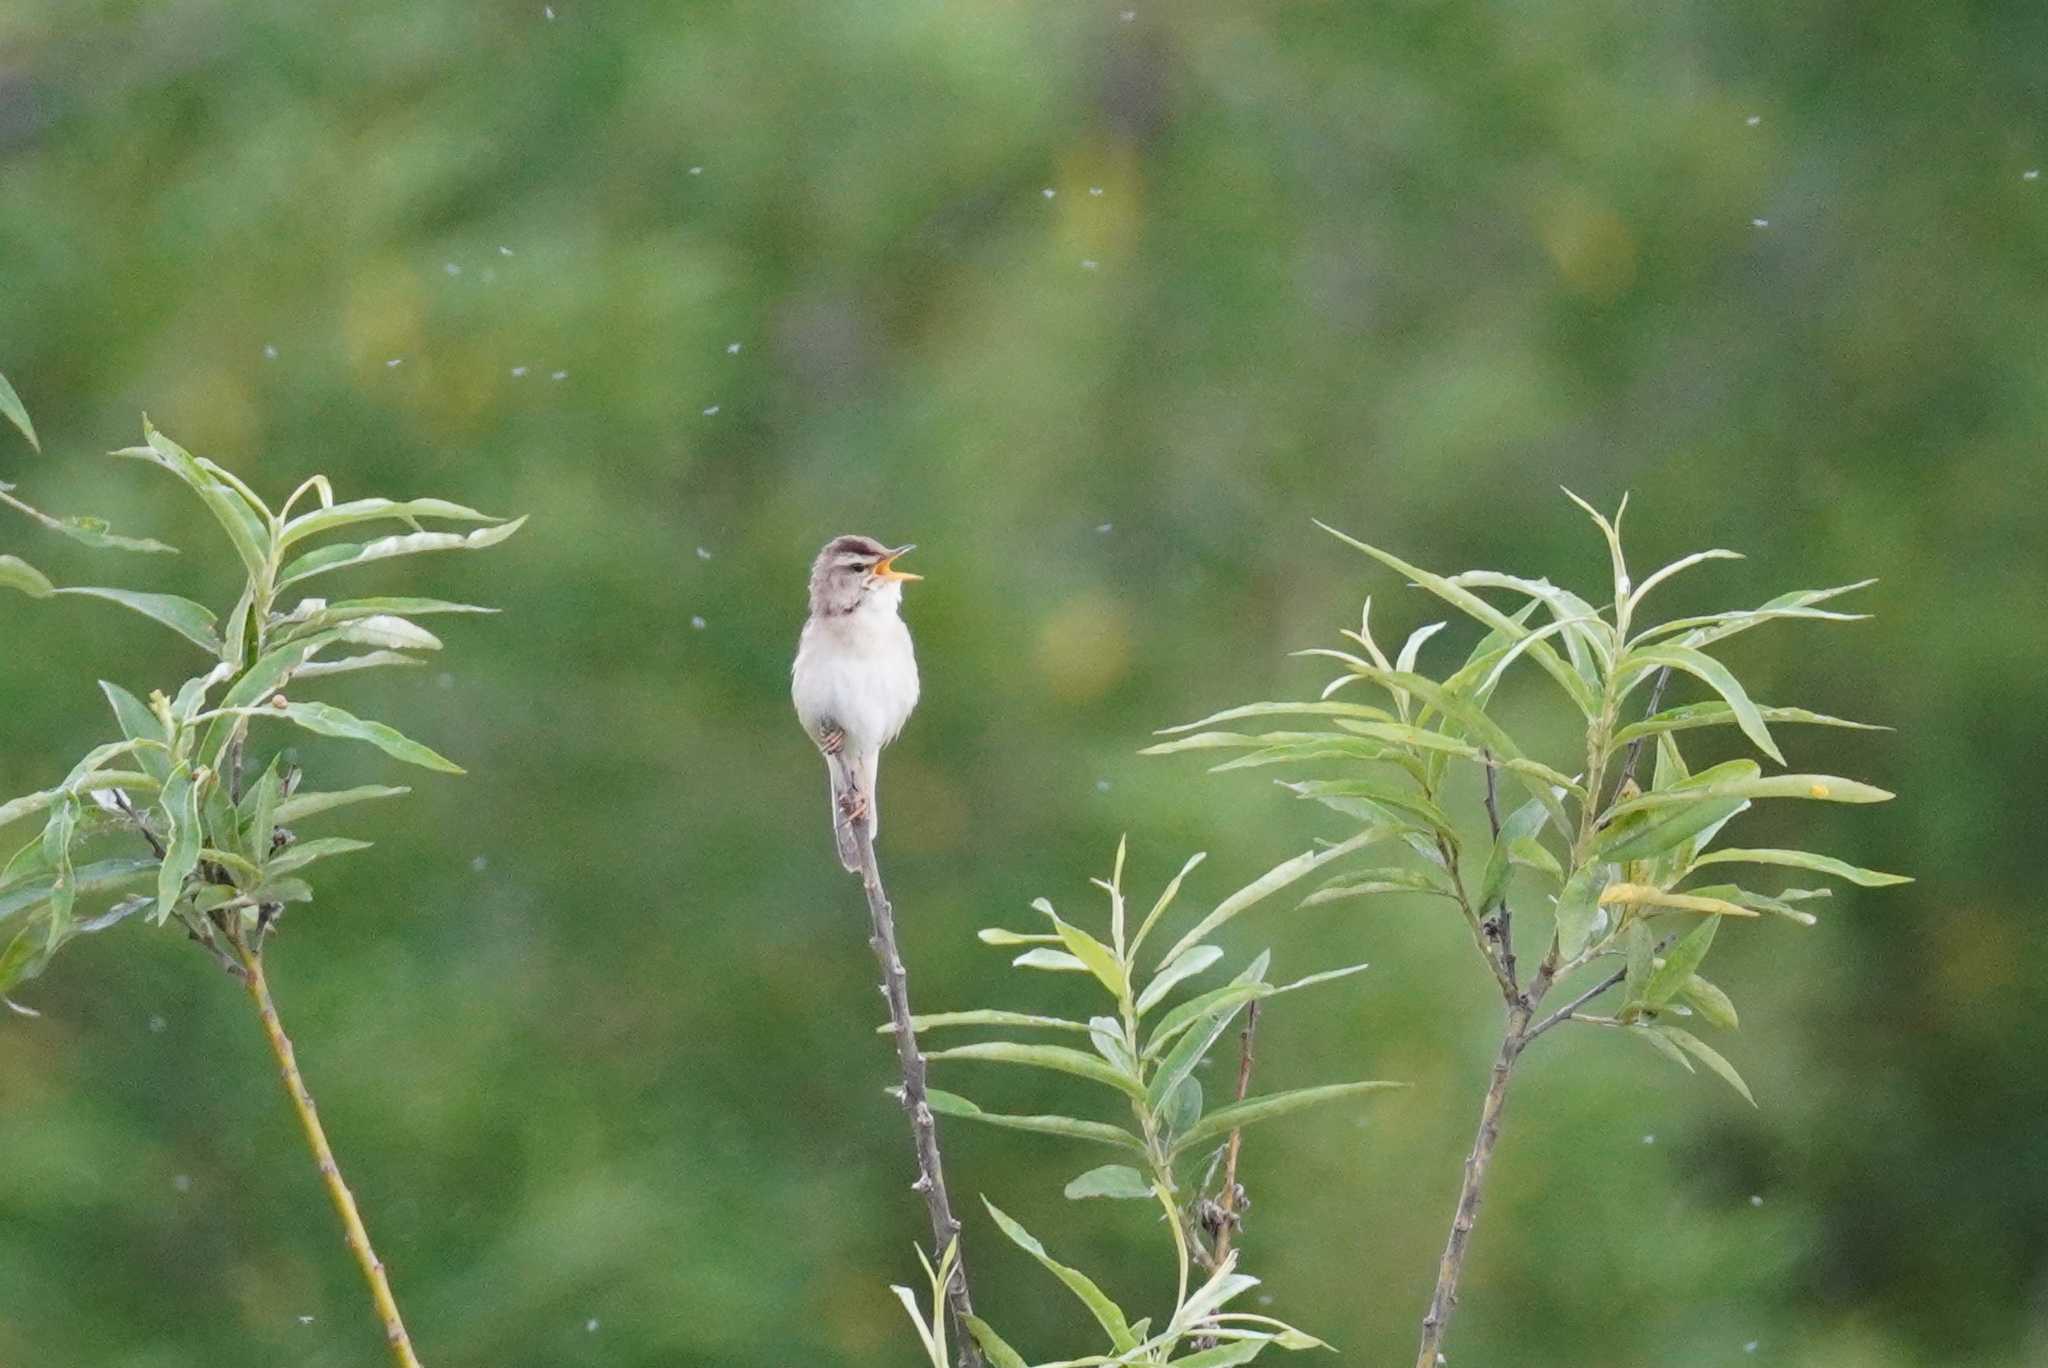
pixel 845 773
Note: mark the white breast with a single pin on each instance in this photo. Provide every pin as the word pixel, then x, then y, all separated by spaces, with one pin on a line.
pixel 857 671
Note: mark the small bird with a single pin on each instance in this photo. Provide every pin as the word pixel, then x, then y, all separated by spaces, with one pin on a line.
pixel 855 678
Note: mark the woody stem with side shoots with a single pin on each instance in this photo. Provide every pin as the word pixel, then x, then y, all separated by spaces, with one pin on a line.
pixel 249 955
pixel 931 1175
pixel 1521 1027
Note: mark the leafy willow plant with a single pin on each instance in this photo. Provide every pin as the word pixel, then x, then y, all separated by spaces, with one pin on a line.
pixel 162 820
pixel 1144 1058
pixel 1632 875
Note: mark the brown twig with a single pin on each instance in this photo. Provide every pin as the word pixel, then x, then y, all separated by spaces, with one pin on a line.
pixel 323 1156
pixel 1635 747
pixel 1227 1203
pixel 1503 925
pixel 931 1176
pixel 1444 1299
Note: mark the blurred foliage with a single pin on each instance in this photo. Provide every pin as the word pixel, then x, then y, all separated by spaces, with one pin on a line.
pixel 592 1026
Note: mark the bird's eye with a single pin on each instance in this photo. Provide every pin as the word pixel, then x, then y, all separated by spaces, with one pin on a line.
pixel 862 567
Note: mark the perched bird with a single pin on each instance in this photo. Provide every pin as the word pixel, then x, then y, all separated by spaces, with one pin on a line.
pixel 855 679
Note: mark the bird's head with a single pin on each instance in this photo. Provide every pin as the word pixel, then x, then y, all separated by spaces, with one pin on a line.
pixel 854 572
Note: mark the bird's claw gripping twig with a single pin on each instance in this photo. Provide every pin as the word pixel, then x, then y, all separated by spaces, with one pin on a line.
pixel 832 740
pixel 853 804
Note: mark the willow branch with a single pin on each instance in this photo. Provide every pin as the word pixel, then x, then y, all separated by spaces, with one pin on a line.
pixel 358 1238
pixel 931 1175
pixel 1635 747
pixel 1451 1267
pixel 1228 1218
pixel 1564 1013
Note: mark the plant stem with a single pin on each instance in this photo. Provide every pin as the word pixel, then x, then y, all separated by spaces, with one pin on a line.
pixel 323 1156
pixel 1227 1227
pixel 1436 1321
pixel 931 1175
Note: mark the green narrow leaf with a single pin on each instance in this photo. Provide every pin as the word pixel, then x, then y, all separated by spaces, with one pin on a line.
pixel 305 852
pixel 1654 1037
pixel 1826 788
pixel 1372 801
pixel 1056 1057
pixel 192 621
pixel 376 510
pixel 1099 959
pixel 937 1020
pixel 1682 564
pixel 1717 677
pixel 1187 964
pixel 1612 532
pixel 1713 1004
pixel 1642 952
pixel 1804 859
pixel 1187 1052
pixel 1106 1312
pixel 98 877
pixel 138 723
pixel 1382 879
pixel 1236 1116
pixel 999 1353
pixel 13 411
pixel 1224 1355
pixel 344 554
pixel 1470 603
pixel 1646 834
pixel 1709 1056
pixel 16 573
pixel 1267 884
pixel 1360 711
pixel 1111 1180
pixel 245 530
pixel 1059 961
pixel 952 1104
pixel 1524 823
pixel 301 805
pixel 1715 714
pixel 1679 965
pixel 16 808
pixel 1578 907
pixel 1166 897
pixel 181 837
pixel 328 720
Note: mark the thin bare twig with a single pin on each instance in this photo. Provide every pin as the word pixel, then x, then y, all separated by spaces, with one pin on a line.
pixel 1564 1013
pixel 1635 747
pixel 1229 1215
pixel 1503 925
pixel 1444 1299
pixel 323 1155
pixel 931 1175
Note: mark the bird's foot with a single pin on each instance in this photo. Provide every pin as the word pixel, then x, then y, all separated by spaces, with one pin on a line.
pixel 832 740
pixel 853 805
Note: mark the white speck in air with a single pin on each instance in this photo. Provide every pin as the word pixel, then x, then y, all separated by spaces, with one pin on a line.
pixel 1265 1298
pixel 305 1320
pixel 703 553
pixel 182 1182
pixel 1759 223
pixel 1089 263
pixel 451 268
pixel 1128 15
pixel 270 351
pixel 697 623
pixel 518 372
pixel 444 680
pixel 1750 1348
pixel 590 1326
pixel 1048 192
pixel 394 363
pixel 479 864
pixel 549 11
pixel 157 1025
pixel 559 375
pixel 1753 120
pixel 2033 174
pixel 1756 1199
pixel 1649 1139
pixel 732 349
pixel 1105 527
pixel 711 412
pixel 504 251
pixel 696 170
pixel 1095 190
pixel 1102 785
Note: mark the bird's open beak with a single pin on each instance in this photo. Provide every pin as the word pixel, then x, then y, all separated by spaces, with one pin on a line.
pixel 886 568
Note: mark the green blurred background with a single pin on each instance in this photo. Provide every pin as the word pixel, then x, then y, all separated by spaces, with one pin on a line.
pixel 1099 305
